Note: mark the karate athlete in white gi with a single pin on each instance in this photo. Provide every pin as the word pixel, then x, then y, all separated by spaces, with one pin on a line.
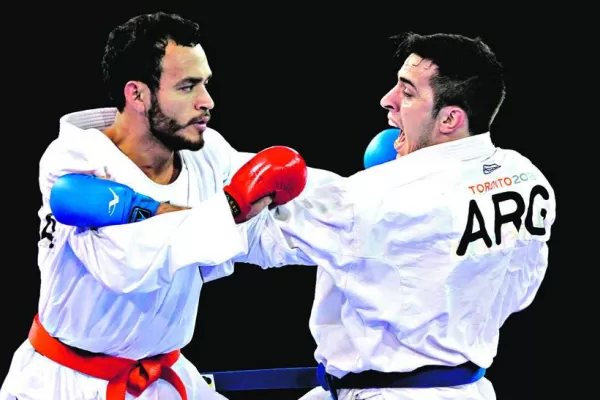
pixel 132 290
pixel 421 259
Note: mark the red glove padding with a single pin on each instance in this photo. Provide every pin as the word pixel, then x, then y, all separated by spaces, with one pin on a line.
pixel 277 171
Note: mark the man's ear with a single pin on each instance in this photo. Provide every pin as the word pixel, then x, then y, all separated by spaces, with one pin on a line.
pixel 451 118
pixel 137 95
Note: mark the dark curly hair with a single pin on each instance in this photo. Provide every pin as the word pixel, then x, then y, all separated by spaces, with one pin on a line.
pixel 469 75
pixel 134 50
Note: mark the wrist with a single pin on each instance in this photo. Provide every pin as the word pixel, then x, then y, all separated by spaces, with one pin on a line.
pixel 142 207
pixel 164 208
pixel 238 210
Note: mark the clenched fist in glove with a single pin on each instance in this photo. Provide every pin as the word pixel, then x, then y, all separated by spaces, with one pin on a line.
pixel 278 172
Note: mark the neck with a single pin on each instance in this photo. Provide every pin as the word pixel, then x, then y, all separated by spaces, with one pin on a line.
pixel 131 134
pixel 449 137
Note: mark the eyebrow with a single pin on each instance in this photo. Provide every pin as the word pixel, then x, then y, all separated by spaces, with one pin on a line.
pixel 192 80
pixel 407 81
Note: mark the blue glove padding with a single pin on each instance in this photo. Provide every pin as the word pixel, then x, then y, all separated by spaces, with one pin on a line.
pixel 381 148
pixel 87 201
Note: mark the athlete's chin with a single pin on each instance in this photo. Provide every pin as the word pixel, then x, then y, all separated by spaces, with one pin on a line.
pixel 193 140
pixel 187 143
pixel 195 145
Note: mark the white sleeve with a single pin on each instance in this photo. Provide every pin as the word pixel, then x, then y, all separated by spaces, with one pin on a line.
pixel 315 229
pixel 286 235
pixel 142 256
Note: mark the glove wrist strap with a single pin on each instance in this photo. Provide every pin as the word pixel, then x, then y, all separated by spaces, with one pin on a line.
pixel 143 208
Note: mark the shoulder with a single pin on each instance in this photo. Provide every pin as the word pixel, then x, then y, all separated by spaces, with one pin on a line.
pixel 85 154
pixel 86 151
pixel 406 194
pixel 511 171
pixel 396 178
pixel 531 182
pixel 526 165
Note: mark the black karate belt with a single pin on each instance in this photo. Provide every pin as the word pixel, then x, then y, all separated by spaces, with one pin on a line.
pixel 311 377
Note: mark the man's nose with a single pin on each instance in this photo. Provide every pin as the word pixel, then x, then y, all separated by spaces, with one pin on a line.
pixel 389 101
pixel 204 101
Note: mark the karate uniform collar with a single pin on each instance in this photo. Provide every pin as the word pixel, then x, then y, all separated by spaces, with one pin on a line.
pixel 98 118
pixel 465 149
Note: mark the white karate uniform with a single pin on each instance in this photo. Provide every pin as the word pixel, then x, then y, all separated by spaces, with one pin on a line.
pixel 393 291
pixel 130 290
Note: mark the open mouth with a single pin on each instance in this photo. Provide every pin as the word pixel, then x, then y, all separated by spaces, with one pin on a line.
pixel 399 141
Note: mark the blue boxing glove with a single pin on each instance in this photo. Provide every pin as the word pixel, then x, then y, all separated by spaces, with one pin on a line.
pixel 381 148
pixel 87 201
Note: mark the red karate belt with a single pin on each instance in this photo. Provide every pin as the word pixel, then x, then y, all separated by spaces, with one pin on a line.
pixel 123 375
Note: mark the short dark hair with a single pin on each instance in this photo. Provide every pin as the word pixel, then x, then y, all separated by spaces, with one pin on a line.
pixel 135 49
pixel 469 75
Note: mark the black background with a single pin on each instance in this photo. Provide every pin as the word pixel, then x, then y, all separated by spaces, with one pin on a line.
pixel 308 77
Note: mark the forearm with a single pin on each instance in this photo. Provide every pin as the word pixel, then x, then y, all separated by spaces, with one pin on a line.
pixel 307 230
pixel 269 245
pixel 144 256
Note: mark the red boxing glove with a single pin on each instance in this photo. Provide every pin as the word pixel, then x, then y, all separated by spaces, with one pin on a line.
pixel 277 171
